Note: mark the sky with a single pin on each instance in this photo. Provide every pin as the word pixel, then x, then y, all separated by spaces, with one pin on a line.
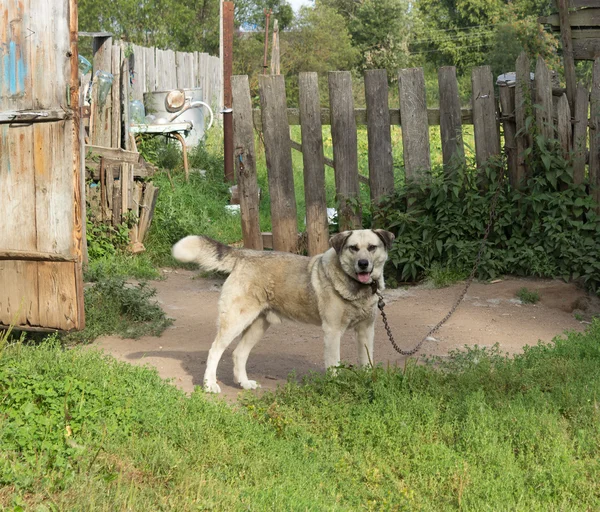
pixel 296 4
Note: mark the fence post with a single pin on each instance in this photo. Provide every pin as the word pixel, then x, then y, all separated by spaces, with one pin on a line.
pixel 453 149
pixel 415 125
pixel 522 98
pixel 345 148
pixel 507 103
pixel 317 228
pixel 485 123
pixel 101 116
pixel 543 100
pixel 278 154
pixel 116 117
pixel 245 162
pixel 580 133
pixel 594 168
pixel 381 164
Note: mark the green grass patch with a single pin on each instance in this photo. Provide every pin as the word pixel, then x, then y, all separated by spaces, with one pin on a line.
pixel 114 306
pixel 528 296
pixel 478 431
pixel 441 276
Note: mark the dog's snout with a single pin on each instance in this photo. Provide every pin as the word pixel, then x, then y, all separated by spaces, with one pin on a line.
pixel 363 264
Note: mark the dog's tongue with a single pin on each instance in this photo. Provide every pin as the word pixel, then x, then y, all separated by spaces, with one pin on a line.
pixel 364 277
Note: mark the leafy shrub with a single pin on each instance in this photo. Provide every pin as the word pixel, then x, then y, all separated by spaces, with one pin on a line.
pixel 113 306
pixel 549 228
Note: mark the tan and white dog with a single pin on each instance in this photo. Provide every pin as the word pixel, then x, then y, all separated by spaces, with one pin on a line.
pixel 335 289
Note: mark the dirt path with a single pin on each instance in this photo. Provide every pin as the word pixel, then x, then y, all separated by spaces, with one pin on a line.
pixel 489 314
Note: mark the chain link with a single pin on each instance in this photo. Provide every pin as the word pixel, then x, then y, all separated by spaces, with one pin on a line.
pixel 381 303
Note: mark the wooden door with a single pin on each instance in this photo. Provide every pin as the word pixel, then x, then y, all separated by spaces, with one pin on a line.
pixel 41 284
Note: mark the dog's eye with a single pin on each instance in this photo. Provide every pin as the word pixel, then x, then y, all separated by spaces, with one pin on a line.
pixel 371 248
pixel 353 248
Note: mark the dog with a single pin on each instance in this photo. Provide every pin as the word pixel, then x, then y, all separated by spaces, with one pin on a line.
pixel 335 289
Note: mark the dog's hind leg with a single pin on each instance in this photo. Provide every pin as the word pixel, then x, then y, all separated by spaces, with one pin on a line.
pixel 231 325
pixel 365 333
pixel 251 337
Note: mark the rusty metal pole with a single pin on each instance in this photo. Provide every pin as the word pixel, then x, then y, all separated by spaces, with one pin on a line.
pixel 268 15
pixel 227 96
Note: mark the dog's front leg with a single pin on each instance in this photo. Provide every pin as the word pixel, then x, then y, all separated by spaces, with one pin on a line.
pixel 365 334
pixel 332 336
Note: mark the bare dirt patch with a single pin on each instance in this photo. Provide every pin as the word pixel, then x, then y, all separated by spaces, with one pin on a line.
pixel 490 313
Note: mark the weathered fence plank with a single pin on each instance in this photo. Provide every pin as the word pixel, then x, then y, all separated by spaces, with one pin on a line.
pixel 522 100
pixel 138 62
pixel 116 98
pixel 485 123
pixel 150 68
pixel 415 131
pixel 564 126
pixel 543 100
pixel 381 164
pixel 317 228
pixel 345 149
pixel 278 154
pixel 594 167
pixel 507 104
pixel 245 162
pixel 101 115
pixel 580 133
pixel 125 95
pixel 453 149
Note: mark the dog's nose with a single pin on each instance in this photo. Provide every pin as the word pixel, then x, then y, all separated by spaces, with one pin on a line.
pixel 363 264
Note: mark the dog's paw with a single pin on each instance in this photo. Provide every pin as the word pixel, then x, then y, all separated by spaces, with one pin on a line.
pixel 249 384
pixel 212 387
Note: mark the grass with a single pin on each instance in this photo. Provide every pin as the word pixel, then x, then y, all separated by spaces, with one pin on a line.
pixel 528 296
pixel 114 306
pixel 479 431
pixel 439 276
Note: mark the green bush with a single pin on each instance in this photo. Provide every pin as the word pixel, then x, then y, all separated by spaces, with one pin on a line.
pixel 549 229
pixel 114 306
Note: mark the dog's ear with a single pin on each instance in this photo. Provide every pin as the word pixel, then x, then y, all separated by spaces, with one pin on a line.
pixel 386 237
pixel 338 241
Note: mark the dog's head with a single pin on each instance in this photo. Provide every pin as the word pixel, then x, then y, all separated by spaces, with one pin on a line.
pixel 362 253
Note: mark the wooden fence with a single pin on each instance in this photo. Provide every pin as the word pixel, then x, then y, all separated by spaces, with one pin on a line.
pixel 117 189
pixel 553 116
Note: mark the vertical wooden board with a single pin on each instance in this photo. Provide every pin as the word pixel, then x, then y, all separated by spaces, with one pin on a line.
pixel 150 62
pixel 102 117
pixel 17 189
pixel 116 111
pixel 345 149
pixel 381 164
pixel 125 98
pixel 19 293
pixel 110 180
pixel 507 104
pixel 195 69
pixel 485 120
pixel 594 167
pixel 317 227
pixel 278 154
pixel 580 133
pixel 46 28
pixel 57 286
pixel 522 99
pixel 117 203
pixel 563 125
pixel 415 127
pixel 15 57
pixel 543 100
pixel 203 76
pixel 453 149
pixel 124 185
pixel 245 162
pixel 53 199
pixel 181 82
pixel 139 73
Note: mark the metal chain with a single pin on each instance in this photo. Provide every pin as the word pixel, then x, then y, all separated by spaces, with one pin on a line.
pixel 381 303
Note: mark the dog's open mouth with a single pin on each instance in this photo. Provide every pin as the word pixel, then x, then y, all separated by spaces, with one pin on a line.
pixel 364 277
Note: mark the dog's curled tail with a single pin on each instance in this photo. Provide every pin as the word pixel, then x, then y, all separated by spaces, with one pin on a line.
pixel 208 253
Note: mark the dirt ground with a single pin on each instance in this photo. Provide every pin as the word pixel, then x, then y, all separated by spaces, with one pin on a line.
pixel 490 314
